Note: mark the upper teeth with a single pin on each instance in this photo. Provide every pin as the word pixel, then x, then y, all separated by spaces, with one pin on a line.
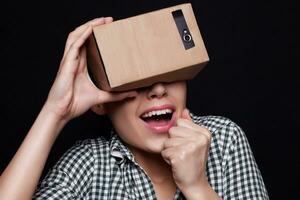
pixel 157 112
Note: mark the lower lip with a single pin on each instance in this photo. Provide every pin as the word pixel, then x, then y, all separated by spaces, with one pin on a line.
pixel 161 128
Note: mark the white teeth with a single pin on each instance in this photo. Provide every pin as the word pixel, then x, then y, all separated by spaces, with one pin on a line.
pixel 157 112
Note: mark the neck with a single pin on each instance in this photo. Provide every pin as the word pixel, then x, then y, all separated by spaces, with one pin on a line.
pixel 154 165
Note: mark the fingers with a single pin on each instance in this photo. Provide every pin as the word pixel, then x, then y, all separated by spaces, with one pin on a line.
pixel 71 61
pixel 189 131
pixel 108 20
pixel 82 61
pixel 76 40
pixel 173 142
pixel 187 122
pixel 174 154
pixel 105 97
pixel 167 155
pixel 79 30
pixel 79 42
pixel 191 125
pixel 181 132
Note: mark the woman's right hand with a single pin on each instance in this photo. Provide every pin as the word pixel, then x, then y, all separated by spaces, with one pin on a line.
pixel 72 92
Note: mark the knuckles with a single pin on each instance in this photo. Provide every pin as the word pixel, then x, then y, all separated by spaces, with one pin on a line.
pixel 180 158
pixel 203 140
pixel 71 34
pixel 193 147
pixel 181 121
pixel 206 132
pixel 172 130
pixel 173 162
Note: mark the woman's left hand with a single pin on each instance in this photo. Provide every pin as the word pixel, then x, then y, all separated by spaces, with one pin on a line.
pixel 186 150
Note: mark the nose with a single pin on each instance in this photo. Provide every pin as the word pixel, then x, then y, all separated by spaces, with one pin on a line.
pixel 158 90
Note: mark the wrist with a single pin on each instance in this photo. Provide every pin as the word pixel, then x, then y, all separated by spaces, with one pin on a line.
pixel 51 112
pixel 199 191
pixel 48 114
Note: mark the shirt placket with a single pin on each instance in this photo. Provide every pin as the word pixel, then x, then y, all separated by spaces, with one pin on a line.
pixel 137 183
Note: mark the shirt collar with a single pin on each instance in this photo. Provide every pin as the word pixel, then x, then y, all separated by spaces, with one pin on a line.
pixel 119 150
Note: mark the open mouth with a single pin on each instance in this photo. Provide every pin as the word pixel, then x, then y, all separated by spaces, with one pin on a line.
pixel 159 115
pixel 159 120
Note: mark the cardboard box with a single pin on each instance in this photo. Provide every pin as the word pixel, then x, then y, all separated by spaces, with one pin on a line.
pixel 159 46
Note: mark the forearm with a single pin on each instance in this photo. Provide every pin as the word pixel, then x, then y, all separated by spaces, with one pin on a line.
pixel 19 179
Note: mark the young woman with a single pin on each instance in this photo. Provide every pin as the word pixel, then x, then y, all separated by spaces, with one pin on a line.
pixel 158 150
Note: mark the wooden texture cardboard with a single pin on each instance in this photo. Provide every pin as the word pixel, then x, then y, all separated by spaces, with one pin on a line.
pixel 159 46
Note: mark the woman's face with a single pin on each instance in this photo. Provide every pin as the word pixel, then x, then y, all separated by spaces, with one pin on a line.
pixel 143 121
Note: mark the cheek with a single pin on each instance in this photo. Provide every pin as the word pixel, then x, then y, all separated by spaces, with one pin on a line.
pixel 181 99
pixel 179 92
pixel 123 115
pixel 121 109
pixel 121 118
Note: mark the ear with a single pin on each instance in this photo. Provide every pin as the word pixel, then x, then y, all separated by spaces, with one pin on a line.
pixel 99 109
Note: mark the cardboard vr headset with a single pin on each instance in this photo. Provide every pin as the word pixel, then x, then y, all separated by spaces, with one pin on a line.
pixel 159 46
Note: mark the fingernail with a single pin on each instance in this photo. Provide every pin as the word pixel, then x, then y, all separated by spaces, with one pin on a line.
pixel 187 110
pixel 108 19
pixel 100 19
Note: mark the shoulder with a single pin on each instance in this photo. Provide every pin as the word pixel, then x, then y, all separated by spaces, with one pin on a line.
pixel 224 131
pixel 82 155
pixel 230 160
pixel 215 123
pixel 211 121
pixel 74 172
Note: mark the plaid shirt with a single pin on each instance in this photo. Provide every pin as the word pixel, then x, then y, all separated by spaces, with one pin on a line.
pixel 106 169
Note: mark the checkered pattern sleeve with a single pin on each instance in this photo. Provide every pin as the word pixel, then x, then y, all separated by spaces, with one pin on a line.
pixel 242 178
pixel 70 177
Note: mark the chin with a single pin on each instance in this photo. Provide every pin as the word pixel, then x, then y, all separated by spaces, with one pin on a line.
pixel 155 146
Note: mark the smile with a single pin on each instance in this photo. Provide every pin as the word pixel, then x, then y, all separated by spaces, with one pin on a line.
pixel 159 119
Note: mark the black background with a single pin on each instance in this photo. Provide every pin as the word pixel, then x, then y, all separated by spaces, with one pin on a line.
pixel 252 76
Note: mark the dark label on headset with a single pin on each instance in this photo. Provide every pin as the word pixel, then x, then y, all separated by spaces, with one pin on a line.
pixel 183 29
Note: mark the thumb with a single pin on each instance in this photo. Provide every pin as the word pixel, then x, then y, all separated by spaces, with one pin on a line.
pixel 186 114
pixel 105 97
